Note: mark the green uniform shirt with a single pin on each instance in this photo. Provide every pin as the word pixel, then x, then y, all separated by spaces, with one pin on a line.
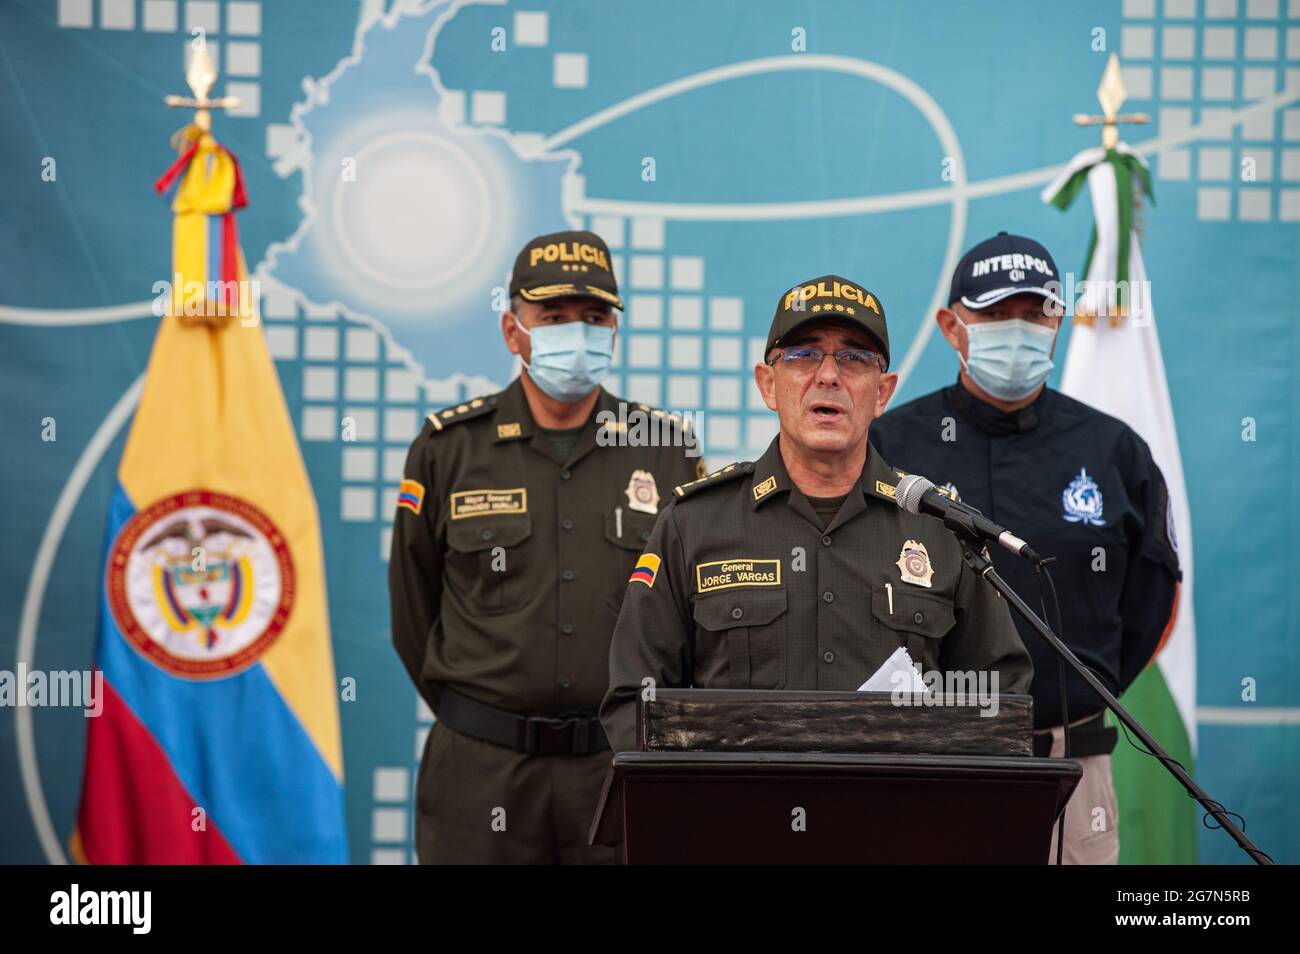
pixel 508 565
pixel 741 587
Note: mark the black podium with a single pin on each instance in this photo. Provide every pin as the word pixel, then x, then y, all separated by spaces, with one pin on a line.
pixel 752 777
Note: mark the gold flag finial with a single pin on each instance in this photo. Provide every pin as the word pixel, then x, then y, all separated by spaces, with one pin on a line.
pixel 1111 94
pixel 201 76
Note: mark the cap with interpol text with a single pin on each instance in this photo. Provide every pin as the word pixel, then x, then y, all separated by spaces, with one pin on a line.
pixel 1003 266
pixel 565 264
pixel 828 298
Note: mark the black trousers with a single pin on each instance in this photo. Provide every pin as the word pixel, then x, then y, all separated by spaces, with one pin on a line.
pixel 481 803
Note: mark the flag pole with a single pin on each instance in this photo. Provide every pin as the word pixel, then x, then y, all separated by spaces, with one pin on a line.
pixel 1111 94
pixel 200 76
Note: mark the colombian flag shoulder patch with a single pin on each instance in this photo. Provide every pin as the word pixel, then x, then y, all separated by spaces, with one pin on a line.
pixel 411 495
pixel 647 568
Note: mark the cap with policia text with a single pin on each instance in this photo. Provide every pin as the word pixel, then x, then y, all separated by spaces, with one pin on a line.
pixel 1003 266
pixel 829 297
pixel 563 264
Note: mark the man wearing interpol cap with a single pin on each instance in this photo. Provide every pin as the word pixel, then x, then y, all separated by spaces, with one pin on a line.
pixel 798 570
pixel 1079 485
pixel 519 518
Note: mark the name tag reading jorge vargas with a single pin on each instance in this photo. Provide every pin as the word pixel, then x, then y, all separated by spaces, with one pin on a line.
pixel 483 503
pixel 725 574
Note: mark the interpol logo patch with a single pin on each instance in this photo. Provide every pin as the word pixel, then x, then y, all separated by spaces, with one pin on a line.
pixel 201 584
pixel 725 574
pixel 1082 501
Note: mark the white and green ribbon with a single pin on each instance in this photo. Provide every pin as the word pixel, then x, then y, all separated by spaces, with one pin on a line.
pixel 1117 178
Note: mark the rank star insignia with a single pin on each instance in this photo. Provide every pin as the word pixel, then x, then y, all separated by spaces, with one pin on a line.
pixel 914 564
pixel 642 494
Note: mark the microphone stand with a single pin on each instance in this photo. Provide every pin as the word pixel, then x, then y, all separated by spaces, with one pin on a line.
pixel 964 528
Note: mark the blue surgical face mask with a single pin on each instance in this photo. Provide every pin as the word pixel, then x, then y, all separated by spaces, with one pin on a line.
pixel 1010 358
pixel 570 359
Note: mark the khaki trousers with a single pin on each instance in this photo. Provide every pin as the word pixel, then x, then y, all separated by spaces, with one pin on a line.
pixel 1092 814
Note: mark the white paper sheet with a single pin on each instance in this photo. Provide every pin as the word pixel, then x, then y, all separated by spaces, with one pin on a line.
pixel 884 679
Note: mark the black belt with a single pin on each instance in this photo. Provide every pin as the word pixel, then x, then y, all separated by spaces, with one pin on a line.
pixel 1092 737
pixel 564 733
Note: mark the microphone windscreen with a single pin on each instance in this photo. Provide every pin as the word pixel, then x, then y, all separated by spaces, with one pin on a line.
pixel 909 492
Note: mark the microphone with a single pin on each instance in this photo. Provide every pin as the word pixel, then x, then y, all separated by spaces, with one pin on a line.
pixel 917 495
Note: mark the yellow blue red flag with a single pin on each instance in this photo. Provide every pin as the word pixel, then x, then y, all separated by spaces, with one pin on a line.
pixel 219 738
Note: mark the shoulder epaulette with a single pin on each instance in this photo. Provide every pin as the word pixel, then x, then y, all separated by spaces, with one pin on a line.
pixel 675 419
pixel 730 472
pixel 462 412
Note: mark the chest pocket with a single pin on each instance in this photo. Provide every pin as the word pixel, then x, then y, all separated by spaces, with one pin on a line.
pixel 740 638
pixel 487 561
pixel 627 534
pixel 919 621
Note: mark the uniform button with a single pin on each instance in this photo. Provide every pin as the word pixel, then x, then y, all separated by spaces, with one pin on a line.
pixel 565 684
pixel 566 523
pixel 567 576
pixel 645 534
pixel 747 467
pixel 737 612
pixel 565 474
pixel 828 597
pixel 566 628
pixel 826 541
pixel 918 617
pixel 486 534
pixel 828 656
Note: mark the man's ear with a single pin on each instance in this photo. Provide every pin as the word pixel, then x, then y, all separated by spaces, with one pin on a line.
pixel 510 326
pixel 765 378
pixel 888 385
pixel 950 328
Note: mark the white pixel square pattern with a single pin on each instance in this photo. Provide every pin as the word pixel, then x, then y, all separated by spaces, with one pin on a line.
pixel 684 351
pixel 159 16
pixel 75 14
pixel 530 28
pixel 687 313
pixel 202 15
pixel 243 18
pixel 117 14
pixel 357 504
pixel 488 107
pixel 647 271
pixel 648 233
pixel 570 71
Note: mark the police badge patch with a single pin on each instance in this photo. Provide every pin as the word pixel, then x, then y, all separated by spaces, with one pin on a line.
pixel 914 564
pixel 642 494
pixel 1082 501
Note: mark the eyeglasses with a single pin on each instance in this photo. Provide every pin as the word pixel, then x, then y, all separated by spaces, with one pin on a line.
pixel 854 361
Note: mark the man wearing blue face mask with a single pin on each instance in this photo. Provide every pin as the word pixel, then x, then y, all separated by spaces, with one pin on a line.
pixel 1078 484
pixel 519 520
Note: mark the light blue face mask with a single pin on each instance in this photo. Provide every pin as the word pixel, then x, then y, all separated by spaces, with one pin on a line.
pixel 571 359
pixel 1009 359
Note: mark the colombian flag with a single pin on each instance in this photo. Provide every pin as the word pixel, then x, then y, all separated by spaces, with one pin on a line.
pixel 219 739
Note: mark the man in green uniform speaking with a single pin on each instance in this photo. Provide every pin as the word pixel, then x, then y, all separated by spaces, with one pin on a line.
pixel 519 519
pixel 799 571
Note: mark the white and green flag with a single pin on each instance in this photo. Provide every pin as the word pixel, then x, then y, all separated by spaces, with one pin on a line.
pixel 1114 364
